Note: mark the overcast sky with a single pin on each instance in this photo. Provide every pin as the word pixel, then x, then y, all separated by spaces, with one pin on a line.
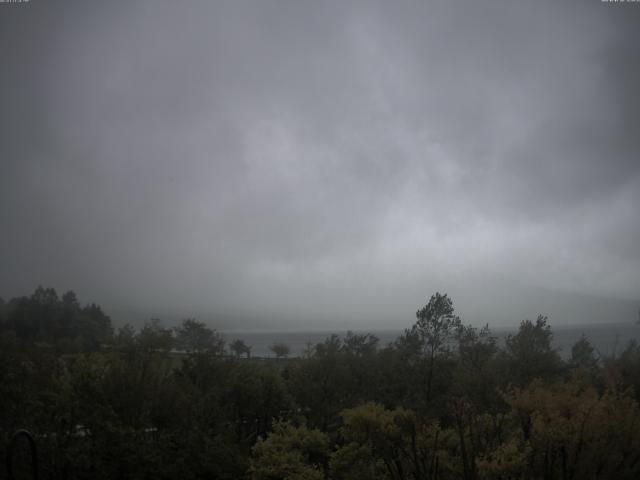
pixel 292 164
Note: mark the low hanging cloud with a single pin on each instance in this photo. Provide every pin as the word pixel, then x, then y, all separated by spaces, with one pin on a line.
pixel 321 164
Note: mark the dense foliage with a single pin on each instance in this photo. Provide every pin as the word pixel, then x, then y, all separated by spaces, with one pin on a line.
pixel 444 401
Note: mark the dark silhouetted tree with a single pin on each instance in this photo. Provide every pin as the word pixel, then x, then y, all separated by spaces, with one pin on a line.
pixel 239 348
pixel 280 350
pixel 530 353
pixel 153 337
pixel 195 336
pixel 436 328
pixel 583 355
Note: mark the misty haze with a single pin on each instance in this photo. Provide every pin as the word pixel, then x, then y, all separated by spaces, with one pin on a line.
pixel 320 240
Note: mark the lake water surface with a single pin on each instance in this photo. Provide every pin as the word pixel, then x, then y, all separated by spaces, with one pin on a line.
pixel 608 339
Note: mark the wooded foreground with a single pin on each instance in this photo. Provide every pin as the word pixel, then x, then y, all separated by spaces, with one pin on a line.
pixel 444 401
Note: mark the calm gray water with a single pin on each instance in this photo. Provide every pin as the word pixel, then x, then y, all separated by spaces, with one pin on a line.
pixel 608 339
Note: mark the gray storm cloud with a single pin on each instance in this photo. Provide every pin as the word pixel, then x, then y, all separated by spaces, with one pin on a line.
pixel 297 164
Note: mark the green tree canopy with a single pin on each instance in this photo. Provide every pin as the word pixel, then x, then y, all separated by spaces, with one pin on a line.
pixel 291 453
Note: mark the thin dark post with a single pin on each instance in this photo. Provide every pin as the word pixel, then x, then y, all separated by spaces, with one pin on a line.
pixel 34 453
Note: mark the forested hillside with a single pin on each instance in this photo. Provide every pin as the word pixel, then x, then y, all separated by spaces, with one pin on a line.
pixel 444 401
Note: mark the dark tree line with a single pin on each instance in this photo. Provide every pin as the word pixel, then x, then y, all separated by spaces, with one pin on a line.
pixel 44 317
pixel 444 401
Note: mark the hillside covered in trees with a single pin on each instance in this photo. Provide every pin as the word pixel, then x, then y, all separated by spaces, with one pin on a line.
pixel 444 401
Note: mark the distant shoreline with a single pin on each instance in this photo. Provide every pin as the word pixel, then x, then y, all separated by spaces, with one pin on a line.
pixel 607 338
